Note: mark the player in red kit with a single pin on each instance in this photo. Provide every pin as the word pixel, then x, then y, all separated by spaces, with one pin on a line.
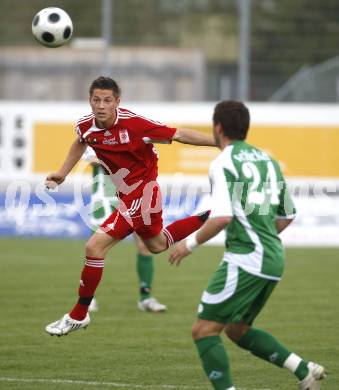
pixel 123 143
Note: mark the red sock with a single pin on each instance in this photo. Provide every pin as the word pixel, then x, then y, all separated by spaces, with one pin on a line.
pixel 90 278
pixel 182 228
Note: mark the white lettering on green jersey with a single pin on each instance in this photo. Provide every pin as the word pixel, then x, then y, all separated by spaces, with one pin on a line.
pixel 248 185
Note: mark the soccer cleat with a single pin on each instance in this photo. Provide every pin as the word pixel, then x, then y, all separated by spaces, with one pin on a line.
pixel 66 324
pixel 152 305
pixel 203 216
pixel 315 375
pixel 93 305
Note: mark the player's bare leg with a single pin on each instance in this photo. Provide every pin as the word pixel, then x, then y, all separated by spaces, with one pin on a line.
pixel 176 231
pixel 157 244
pixel 96 249
pixel 100 243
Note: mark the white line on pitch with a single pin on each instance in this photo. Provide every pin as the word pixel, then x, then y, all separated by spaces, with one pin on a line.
pixel 94 383
pixel 107 384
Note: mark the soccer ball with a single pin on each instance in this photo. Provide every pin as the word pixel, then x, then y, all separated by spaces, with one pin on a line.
pixel 52 27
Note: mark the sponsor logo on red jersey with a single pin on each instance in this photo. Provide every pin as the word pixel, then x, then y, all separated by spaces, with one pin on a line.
pixel 110 141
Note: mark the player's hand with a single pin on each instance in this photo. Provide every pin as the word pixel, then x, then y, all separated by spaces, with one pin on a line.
pixel 53 180
pixel 178 253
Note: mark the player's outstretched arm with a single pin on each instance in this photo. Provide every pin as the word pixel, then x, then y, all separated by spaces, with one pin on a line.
pixel 193 137
pixel 74 155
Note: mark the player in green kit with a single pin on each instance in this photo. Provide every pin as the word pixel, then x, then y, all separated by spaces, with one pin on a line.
pixel 103 203
pixel 251 201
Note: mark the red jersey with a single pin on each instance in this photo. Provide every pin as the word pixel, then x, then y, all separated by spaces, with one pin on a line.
pixel 127 144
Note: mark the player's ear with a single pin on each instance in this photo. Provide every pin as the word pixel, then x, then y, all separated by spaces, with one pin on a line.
pixel 117 99
pixel 218 129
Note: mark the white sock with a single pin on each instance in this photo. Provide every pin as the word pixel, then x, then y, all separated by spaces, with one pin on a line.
pixel 231 388
pixel 292 362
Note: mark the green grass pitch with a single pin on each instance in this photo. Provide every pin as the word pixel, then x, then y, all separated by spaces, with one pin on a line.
pixel 126 349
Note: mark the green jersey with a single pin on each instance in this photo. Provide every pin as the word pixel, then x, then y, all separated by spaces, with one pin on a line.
pixel 248 185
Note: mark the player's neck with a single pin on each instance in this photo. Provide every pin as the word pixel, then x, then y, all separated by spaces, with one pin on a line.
pixel 105 124
pixel 223 142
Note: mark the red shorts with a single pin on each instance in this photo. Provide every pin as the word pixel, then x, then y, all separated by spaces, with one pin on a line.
pixel 142 215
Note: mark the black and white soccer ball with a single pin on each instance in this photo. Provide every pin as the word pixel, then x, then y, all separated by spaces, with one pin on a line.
pixel 52 27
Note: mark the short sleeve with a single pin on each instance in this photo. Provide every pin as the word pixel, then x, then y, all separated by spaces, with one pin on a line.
pixel 79 134
pixel 153 131
pixel 221 205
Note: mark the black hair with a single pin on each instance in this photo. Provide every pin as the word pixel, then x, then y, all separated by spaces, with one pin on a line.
pixel 234 118
pixel 103 82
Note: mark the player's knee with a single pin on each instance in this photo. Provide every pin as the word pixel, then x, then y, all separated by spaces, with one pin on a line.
pixel 203 329
pixel 196 332
pixel 89 248
pixel 154 246
pixel 142 249
pixel 236 331
pixel 155 249
pixel 92 249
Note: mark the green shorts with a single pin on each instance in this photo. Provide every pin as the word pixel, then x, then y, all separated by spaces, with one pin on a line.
pixel 234 295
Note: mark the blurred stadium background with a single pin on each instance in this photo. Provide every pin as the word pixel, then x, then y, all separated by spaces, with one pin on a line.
pixel 174 59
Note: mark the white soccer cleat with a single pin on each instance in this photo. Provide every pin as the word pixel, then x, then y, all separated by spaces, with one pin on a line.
pixel 313 378
pixel 93 305
pixel 66 324
pixel 152 305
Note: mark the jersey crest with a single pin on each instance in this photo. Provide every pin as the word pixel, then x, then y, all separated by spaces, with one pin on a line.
pixel 123 136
